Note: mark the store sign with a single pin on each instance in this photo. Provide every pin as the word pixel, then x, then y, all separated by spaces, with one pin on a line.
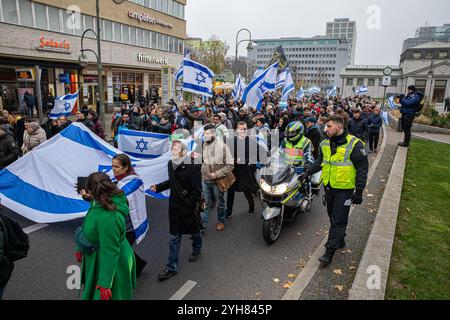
pixel 144 17
pixel 150 59
pixel 24 74
pixel 64 78
pixel 53 45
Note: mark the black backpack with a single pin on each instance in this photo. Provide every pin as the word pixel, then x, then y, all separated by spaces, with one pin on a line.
pixel 17 243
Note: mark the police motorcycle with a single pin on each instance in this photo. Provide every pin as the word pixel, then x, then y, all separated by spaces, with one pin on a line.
pixel 283 195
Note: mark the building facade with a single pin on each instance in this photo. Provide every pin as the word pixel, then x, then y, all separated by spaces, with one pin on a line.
pixel 344 28
pixel 427 67
pixel 353 77
pixel 315 61
pixel 141 43
pixel 428 34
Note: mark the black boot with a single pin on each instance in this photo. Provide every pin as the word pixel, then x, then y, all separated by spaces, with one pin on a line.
pixel 327 257
pixel 403 144
pixel 342 245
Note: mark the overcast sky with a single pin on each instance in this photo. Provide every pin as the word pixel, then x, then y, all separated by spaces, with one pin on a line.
pixel 306 18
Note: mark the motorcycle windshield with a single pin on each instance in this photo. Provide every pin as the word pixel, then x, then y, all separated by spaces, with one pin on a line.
pixel 278 170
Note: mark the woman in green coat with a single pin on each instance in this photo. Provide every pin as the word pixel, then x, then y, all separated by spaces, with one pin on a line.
pixel 108 263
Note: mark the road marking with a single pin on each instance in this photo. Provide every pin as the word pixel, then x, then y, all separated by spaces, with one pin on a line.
pixel 35 227
pixel 306 275
pixel 184 290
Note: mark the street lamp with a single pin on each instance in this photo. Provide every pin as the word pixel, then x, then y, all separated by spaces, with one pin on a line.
pixel 249 47
pixel 83 61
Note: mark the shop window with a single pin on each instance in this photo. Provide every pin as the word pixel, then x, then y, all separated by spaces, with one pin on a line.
pixel 26 16
pixel 439 90
pixel 117 32
pixel 117 77
pixel 139 38
pixel 10 11
pixel 133 36
pixel 125 34
pixel 108 30
pixel 40 15
pixel 53 18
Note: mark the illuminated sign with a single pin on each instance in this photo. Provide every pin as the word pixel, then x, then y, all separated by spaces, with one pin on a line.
pixel 144 17
pixel 53 45
pixel 24 75
pixel 150 59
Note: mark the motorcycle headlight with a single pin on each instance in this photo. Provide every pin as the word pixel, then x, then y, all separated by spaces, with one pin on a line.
pixel 281 189
pixel 264 186
pixel 276 190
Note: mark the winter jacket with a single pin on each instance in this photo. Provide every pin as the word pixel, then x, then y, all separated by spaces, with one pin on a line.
pixel 358 128
pixel 374 123
pixel 98 129
pixel 9 151
pixel 185 184
pixel 6 265
pixel 34 139
pixel 411 103
pixel 315 136
pixel 112 265
pixel 217 159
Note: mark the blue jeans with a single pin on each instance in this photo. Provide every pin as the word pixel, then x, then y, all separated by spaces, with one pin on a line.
pixel 211 191
pixel 30 111
pixel 174 246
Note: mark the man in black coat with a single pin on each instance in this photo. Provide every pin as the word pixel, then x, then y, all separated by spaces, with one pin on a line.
pixel 9 151
pixel 357 126
pixel 313 134
pixel 374 123
pixel 185 184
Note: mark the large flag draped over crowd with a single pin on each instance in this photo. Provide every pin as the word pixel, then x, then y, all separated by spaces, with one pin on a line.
pixel 40 185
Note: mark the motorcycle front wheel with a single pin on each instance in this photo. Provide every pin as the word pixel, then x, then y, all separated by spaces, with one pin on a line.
pixel 272 229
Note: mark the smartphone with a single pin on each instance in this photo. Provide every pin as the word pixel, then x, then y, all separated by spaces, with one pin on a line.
pixel 81 183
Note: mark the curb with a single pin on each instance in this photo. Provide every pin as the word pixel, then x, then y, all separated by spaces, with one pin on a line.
pixel 313 264
pixel 372 274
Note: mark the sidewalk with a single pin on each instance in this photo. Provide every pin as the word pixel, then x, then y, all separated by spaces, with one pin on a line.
pixel 334 282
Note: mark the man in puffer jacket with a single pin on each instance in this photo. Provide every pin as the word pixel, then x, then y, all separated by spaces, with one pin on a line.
pixel 33 136
pixel 9 152
pixel 411 105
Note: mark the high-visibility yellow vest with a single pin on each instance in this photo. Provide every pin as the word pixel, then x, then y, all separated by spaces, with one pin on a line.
pixel 338 170
pixel 295 154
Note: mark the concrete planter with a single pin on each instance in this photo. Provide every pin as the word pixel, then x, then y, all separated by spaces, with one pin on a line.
pixel 393 122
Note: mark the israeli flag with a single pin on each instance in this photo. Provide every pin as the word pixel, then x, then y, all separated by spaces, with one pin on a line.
pixel 142 145
pixel 258 72
pixel 197 78
pixel 300 93
pixel 315 90
pixel 392 103
pixel 332 92
pixel 362 90
pixel 63 106
pixel 282 78
pixel 288 87
pixel 385 117
pixel 40 185
pixel 239 88
pixel 254 93
pixel 179 73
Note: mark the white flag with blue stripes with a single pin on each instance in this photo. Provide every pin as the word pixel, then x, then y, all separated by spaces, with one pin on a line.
pixel 282 78
pixel 362 90
pixel 179 73
pixel 288 87
pixel 239 88
pixel 258 72
pixel 265 82
pixel 40 185
pixel 332 92
pixel 300 93
pixel 63 106
pixel 197 78
pixel 392 103
pixel 142 145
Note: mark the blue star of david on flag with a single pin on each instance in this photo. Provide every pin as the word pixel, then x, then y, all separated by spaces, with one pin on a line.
pixel 200 78
pixel 140 147
pixel 67 106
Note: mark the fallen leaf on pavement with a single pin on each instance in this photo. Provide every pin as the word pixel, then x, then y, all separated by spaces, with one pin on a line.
pixel 318 234
pixel 370 195
pixel 276 280
pixel 349 251
pixel 301 264
pixel 288 285
pixel 338 272
pixel 340 288
pixel 344 251
pixel 352 268
pixel 299 234
pixel 292 276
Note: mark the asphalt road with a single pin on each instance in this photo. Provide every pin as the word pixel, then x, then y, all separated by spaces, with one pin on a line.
pixel 235 264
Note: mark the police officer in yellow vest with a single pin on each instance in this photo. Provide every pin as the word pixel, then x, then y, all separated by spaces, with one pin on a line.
pixel 344 164
pixel 296 147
